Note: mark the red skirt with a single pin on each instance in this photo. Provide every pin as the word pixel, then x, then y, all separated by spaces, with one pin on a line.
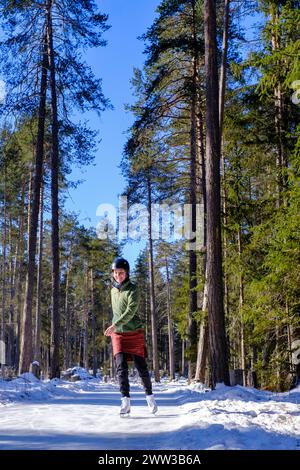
pixel 131 343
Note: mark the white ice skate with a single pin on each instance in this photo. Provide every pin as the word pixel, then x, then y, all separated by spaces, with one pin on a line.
pixel 125 406
pixel 151 403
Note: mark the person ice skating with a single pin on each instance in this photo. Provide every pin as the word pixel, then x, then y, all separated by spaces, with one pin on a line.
pixel 127 334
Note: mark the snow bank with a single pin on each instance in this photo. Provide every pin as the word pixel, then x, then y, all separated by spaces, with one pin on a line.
pixel 58 414
pixel 28 387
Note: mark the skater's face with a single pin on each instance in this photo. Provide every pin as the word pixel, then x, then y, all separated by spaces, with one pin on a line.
pixel 119 275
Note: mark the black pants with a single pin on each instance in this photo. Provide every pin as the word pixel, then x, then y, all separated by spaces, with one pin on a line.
pixel 122 373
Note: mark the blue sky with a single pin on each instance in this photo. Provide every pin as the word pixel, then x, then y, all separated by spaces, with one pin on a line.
pixel 114 64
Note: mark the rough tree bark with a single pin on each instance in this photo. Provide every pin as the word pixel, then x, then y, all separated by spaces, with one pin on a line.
pixel 216 321
pixel 55 320
pixel 152 292
pixel 26 330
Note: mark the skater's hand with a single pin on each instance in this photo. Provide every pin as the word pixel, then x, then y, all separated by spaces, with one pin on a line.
pixel 109 330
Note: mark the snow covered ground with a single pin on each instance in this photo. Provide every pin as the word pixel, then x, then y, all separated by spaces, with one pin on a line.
pixel 85 415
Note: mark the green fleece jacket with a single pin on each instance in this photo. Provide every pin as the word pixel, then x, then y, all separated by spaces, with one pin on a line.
pixel 125 306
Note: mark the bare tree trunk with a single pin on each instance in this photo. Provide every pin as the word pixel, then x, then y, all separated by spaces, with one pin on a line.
pixel 202 343
pixel 105 346
pixel 222 87
pixel 4 262
pixel 67 316
pixel 224 211
pixel 223 69
pixel 192 324
pixel 241 303
pixel 80 348
pixel 203 181
pixel 146 314
pixel 19 273
pixel 170 324
pixel 11 327
pixel 202 349
pixel 183 357
pixel 47 357
pixel 55 323
pixel 252 381
pixel 152 292
pixel 93 323
pixel 26 335
pixel 37 345
pixel 281 158
pixel 202 354
pixel 277 354
pixel 29 201
pixel 294 333
pixel 216 321
pixel 86 321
